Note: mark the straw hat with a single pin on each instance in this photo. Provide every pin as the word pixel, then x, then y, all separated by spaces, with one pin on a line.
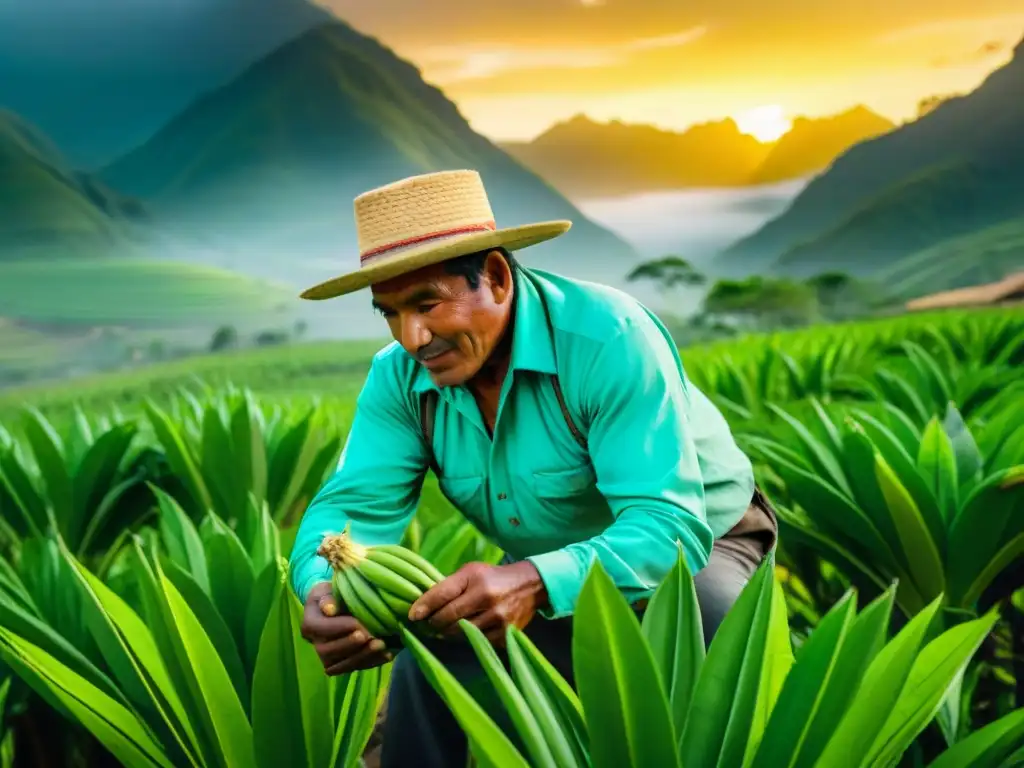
pixel 424 220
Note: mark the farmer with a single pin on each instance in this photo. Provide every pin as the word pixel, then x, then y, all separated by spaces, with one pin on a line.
pixel 558 419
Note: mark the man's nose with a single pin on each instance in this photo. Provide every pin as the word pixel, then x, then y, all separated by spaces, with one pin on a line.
pixel 414 333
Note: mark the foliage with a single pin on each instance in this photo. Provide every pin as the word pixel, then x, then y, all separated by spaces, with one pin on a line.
pixel 667 273
pixel 648 694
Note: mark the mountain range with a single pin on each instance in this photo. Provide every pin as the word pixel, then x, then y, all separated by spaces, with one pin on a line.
pixel 957 170
pixel 585 159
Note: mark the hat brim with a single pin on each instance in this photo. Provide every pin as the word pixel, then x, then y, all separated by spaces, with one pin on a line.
pixel 511 238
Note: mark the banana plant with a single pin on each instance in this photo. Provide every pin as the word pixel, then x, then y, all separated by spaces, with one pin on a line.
pixel 648 694
pixel 165 697
pixel 87 486
pixel 225 448
pixel 885 502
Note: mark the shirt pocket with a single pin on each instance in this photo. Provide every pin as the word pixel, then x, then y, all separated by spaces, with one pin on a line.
pixel 463 492
pixel 568 485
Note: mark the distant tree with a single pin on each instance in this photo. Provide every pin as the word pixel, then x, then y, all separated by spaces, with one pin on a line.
pixel 667 273
pixel 763 301
pixel 224 337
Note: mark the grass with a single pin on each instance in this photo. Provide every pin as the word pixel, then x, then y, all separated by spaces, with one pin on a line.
pixel 132 294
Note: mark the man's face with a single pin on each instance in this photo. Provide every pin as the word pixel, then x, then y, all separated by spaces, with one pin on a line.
pixel 443 322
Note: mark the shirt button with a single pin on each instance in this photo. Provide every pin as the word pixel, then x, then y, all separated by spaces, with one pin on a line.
pixel 501 497
pixel 514 521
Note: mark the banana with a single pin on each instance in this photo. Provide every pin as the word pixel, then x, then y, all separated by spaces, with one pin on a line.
pixel 397 605
pixel 383 578
pixel 373 602
pixel 414 559
pixel 402 567
pixel 356 606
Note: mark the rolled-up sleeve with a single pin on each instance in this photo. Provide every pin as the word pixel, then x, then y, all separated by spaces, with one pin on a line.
pixel 645 459
pixel 377 482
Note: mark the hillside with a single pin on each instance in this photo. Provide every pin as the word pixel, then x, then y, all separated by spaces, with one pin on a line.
pixel 583 158
pixel 919 167
pixel 100 77
pixel 269 163
pixel 45 208
pixel 813 143
pixel 981 257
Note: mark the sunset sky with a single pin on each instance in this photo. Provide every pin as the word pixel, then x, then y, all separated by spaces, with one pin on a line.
pixel 516 66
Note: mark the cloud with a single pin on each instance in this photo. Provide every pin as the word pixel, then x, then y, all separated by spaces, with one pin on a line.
pixel 985 51
pixel 471 61
pixel 985 26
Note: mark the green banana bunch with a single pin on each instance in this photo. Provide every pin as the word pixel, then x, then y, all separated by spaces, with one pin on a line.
pixel 378 583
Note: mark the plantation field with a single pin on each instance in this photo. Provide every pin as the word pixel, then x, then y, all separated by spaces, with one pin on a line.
pixel 133 293
pixel 147 519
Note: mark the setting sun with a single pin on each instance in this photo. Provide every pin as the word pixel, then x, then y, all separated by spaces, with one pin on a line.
pixel 765 123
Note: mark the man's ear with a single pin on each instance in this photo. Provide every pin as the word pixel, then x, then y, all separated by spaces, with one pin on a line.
pixel 499 276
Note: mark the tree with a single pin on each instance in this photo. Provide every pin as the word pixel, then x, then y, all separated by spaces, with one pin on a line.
pixel 763 300
pixel 667 273
pixel 223 338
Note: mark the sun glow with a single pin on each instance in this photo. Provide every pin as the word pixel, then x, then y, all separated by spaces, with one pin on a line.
pixel 765 123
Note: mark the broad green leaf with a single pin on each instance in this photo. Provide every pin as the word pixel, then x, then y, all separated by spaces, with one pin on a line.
pixel 261 600
pixel 988 747
pixel 362 700
pixel 216 462
pixel 824 460
pixel 625 703
pixel 97 473
pixel 937 464
pixel 488 738
pixel 969 461
pixel 990 530
pixel 181 540
pixel 194 664
pixel 35 515
pixel 116 727
pixel 920 549
pixel 777 664
pixel 235 577
pixel 48 450
pixel 180 457
pixel 673 629
pixel 877 693
pixel 933 672
pixel 805 687
pixel 291 714
pixel 723 707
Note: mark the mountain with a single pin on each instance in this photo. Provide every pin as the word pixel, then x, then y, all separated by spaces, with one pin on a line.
pixel 812 143
pixel 100 77
pixel 47 208
pixel 583 158
pixel 955 170
pixel 267 165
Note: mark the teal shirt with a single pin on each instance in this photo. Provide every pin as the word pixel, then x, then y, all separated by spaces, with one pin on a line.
pixel 662 466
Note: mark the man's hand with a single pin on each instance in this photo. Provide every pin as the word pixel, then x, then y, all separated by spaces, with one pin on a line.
pixel 490 596
pixel 342 643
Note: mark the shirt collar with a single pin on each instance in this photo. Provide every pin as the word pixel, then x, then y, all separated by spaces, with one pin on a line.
pixel 532 345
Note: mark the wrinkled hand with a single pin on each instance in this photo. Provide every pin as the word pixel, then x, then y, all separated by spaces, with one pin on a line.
pixel 343 644
pixel 490 596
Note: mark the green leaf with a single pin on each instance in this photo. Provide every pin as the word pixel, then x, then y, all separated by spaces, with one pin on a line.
pixel 988 747
pixel 180 458
pixel 724 701
pixel 514 699
pixel 97 474
pixel 181 539
pixel 804 688
pixel 933 672
pixel 116 727
pixel 480 729
pixel 877 693
pixel 34 513
pixel 625 703
pixel 937 464
pixel 969 461
pixel 918 546
pixel 204 684
pixel 777 665
pixel 824 460
pixel 49 454
pixel 672 628
pixel 291 713
pixel 235 577
pixel 990 530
